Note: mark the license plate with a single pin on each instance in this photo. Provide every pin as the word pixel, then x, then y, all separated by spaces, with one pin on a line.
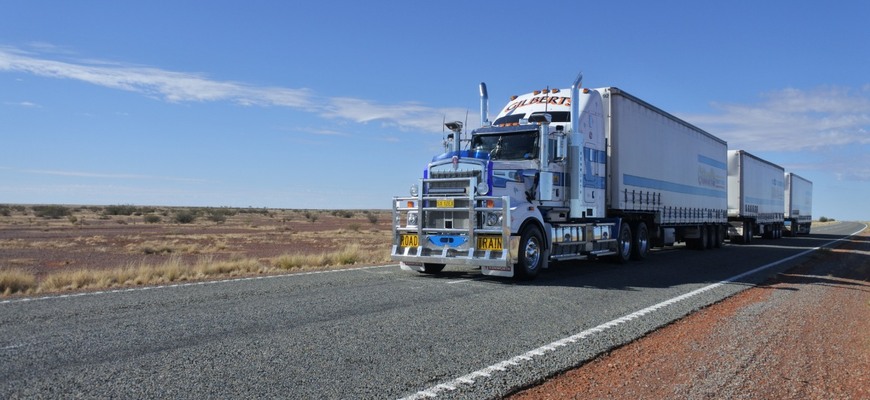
pixel 444 203
pixel 409 241
pixel 489 243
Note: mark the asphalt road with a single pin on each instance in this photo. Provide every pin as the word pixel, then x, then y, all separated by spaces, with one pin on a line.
pixel 375 332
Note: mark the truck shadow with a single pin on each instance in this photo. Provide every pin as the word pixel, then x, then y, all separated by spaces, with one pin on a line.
pixel 844 262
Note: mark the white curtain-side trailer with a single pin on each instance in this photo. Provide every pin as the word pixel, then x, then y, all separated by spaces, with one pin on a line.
pixel 665 171
pixel 755 197
pixel 798 204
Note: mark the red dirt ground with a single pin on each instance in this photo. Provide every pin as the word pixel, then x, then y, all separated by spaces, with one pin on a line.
pixel 41 246
pixel 803 335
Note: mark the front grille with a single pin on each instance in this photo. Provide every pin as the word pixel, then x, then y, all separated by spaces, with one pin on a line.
pixel 454 174
pixel 451 187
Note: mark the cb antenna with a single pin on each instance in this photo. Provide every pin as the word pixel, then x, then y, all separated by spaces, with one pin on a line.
pixel 466 124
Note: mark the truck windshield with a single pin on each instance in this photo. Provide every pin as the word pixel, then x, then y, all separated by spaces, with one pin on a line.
pixel 509 146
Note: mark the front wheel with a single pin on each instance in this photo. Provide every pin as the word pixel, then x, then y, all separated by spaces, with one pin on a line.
pixel 531 256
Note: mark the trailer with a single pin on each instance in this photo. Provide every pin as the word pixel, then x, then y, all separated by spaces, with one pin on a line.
pixel 563 175
pixel 664 172
pixel 755 197
pixel 798 205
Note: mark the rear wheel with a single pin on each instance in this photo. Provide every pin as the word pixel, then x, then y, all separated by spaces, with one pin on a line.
pixel 747 232
pixel 531 256
pixel 640 242
pixel 718 236
pixel 711 236
pixel 623 244
pixel 702 242
pixel 432 268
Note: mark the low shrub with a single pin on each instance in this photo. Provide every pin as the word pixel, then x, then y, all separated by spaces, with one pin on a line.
pixel 51 211
pixel 372 217
pixel 185 216
pixel 120 210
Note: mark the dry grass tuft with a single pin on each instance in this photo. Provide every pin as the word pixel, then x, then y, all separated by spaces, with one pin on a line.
pixel 207 267
pixel 68 280
pixel 350 255
pixel 16 281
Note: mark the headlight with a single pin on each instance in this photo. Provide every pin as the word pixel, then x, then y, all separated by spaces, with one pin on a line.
pixel 414 190
pixel 492 219
pixel 482 188
pixel 412 218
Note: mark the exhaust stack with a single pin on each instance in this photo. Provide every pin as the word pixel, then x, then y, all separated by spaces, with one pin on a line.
pixel 484 105
pixel 575 145
pixel 575 106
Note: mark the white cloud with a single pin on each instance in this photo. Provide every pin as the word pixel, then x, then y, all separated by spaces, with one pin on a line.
pixel 191 87
pixel 793 120
pixel 26 104
pixel 406 116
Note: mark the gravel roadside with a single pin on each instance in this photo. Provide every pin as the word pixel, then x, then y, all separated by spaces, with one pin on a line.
pixel 802 335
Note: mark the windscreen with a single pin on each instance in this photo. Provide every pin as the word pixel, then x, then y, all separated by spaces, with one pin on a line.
pixel 508 146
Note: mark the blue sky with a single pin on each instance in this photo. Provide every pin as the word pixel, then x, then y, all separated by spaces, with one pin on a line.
pixel 339 104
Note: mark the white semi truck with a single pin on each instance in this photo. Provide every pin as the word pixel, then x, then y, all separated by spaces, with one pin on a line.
pixel 755 197
pixel 798 204
pixel 562 175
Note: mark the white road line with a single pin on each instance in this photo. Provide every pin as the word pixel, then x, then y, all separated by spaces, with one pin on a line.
pixel 182 285
pixel 529 356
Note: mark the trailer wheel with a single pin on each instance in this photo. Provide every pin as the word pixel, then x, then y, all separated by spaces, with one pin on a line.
pixel 531 256
pixel 711 237
pixel 747 232
pixel 432 268
pixel 640 242
pixel 623 244
pixel 718 236
pixel 702 242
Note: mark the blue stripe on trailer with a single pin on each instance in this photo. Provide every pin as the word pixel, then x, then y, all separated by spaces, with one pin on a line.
pixel 631 180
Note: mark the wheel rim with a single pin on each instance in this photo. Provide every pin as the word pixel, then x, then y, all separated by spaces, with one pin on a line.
pixel 625 238
pixel 642 240
pixel 532 253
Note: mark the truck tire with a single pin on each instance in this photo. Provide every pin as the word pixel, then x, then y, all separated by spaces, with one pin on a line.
pixel 640 242
pixel 719 236
pixel 531 256
pixel 702 242
pixel 747 232
pixel 432 268
pixel 711 237
pixel 623 244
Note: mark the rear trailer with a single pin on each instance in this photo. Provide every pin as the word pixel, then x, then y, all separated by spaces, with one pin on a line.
pixel 798 204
